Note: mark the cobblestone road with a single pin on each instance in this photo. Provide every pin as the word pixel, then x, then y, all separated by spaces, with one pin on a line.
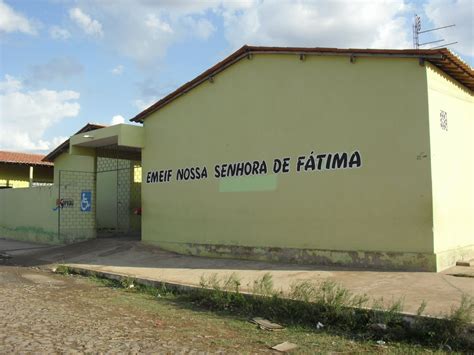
pixel 42 312
pixel 45 313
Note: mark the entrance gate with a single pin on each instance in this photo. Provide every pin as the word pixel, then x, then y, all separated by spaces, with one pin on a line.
pixel 104 203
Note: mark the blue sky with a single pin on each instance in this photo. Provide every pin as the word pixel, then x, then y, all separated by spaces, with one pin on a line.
pixel 68 62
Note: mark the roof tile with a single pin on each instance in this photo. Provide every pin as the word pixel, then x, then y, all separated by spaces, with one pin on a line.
pixel 22 158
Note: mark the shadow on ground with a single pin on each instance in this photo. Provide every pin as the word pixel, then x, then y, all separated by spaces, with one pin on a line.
pixel 131 258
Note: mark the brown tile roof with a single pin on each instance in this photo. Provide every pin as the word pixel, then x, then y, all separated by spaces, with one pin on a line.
pixel 64 146
pixel 22 158
pixel 443 58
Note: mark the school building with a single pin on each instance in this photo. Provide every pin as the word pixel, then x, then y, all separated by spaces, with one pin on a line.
pixel 24 170
pixel 353 157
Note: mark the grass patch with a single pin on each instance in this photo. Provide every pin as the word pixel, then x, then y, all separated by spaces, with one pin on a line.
pixel 63 270
pixel 324 306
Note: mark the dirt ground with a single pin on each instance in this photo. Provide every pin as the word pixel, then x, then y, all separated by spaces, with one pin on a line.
pixel 42 312
pixel 47 313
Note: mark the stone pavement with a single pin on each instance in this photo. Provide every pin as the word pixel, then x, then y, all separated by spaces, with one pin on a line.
pixel 441 291
pixel 44 313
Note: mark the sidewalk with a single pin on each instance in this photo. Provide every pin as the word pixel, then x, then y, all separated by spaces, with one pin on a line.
pixel 441 291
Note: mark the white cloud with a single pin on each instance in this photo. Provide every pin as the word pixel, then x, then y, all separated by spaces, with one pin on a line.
pixel 144 30
pixel 12 21
pixel 203 28
pixel 10 84
pixel 319 23
pixel 118 70
pixel 154 23
pixel 57 32
pixel 52 143
pixel 26 115
pixel 458 12
pixel 85 22
pixel 117 119
pixel 392 34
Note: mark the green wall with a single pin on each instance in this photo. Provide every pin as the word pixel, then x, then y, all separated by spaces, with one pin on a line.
pixel 72 162
pixel 27 214
pixel 275 106
pixel 74 173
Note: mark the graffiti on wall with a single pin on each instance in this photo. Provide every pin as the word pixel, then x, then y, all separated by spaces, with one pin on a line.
pixel 63 203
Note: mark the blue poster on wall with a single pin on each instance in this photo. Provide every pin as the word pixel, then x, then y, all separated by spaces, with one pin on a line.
pixel 86 201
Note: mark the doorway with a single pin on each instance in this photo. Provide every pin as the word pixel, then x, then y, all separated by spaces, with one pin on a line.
pixel 118 192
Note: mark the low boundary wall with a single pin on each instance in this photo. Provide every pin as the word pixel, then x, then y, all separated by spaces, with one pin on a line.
pixel 28 214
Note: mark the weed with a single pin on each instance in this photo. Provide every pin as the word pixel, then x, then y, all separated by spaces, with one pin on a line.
pixel 212 282
pixel 216 293
pixel 332 294
pixel 232 283
pixel 304 291
pixel 309 304
pixel 458 321
pixel 264 286
pixel 63 269
pixel 462 315
pixel 422 308
pixel 383 313
pixel 359 301
pixel 127 282
pixel 106 282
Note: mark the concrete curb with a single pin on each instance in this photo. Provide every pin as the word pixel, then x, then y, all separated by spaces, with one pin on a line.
pixel 138 280
pixel 409 318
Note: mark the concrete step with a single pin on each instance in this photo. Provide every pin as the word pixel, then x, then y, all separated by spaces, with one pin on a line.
pixel 465 263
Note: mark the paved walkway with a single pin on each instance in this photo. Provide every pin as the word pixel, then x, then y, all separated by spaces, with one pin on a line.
pixel 441 291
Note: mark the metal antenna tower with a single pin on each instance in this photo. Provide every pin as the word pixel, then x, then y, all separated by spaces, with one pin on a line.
pixel 417 31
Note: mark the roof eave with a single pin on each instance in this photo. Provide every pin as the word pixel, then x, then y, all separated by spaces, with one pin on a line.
pixel 49 164
pixel 65 145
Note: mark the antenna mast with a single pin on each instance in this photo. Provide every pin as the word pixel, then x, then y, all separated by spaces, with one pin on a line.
pixel 417 31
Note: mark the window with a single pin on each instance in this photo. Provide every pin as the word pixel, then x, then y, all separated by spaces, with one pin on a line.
pixel 137 174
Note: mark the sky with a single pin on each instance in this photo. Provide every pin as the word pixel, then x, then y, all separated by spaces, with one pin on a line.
pixel 64 63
